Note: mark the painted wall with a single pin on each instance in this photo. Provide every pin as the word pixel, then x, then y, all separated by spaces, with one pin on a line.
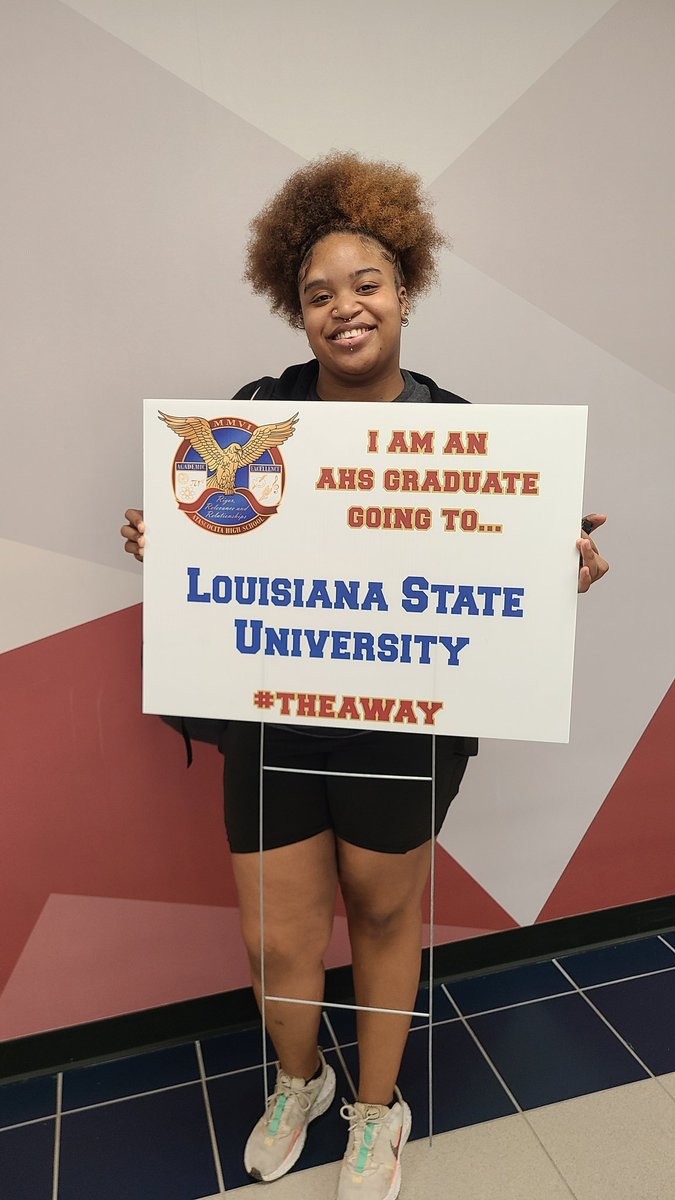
pixel 138 138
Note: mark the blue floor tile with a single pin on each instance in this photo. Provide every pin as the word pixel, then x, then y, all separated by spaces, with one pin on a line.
pixel 555 1050
pixel 618 962
pixel 466 1090
pixel 149 1148
pixel 237 1103
pixel 129 1076
pixel 27 1100
pixel 670 937
pixel 234 1051
pixel 503 988
pixel 27 1162
pixel 643 1012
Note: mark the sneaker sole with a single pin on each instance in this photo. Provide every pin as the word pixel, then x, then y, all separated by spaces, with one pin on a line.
pixel 405 1134
pixel 322 1103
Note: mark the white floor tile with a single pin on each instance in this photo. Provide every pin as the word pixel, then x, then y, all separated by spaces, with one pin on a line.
pixel 302 1185
pixel 614 1145
pixel 500 1160
pixel 668 1082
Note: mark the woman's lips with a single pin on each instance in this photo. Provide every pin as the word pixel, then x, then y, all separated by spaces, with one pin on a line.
pixel 350 339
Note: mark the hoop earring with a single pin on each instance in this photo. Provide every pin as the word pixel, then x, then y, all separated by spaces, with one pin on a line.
pixel 405 321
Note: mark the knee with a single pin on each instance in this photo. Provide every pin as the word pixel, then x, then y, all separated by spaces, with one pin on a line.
pixel 287 948
pixel 378 920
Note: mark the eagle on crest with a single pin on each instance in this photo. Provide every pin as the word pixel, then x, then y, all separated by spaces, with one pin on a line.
pixel 225 462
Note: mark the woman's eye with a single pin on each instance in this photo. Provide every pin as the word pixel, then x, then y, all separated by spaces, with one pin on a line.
pixel 367 287
pixel 320 299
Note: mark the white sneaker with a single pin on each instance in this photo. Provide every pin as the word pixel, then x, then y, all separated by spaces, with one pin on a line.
pixel 276 1142
pixel 371 1168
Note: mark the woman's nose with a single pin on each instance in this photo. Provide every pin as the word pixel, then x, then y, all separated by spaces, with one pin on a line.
pixel 346 307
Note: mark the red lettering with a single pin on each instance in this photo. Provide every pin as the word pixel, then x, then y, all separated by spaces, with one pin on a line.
pixel 376 709
pixel 405 713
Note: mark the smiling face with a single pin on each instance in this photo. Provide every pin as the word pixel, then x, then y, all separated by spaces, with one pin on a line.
pixel 352 307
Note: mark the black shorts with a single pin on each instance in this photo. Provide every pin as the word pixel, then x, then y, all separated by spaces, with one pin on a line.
pixel 388 815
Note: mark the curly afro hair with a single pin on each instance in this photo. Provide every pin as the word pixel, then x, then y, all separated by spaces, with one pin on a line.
pixel 341 192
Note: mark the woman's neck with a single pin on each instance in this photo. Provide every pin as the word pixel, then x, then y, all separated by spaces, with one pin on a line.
pixel 329 387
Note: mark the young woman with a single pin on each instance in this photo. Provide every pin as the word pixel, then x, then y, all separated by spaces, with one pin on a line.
pixel 342 252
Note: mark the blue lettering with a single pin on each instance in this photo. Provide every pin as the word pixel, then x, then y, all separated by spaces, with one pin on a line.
pixel 253 645
pixel 425 641
pixel 222 589
pixel 465 599
pixel 387 647
pixel 244 595
pixel 512 602
pixel 443 590
pixel 489 593
pixel 281 592
pixel 364 647
pixel 319 594
pixel 316 640
pixel 346 593
pixel 194 595
pixel 453 647
pixel 276 641
pixel 375 598
pixel 414 592
pixel 340 640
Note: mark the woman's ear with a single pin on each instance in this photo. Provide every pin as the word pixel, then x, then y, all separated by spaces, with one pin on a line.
pixel 405 305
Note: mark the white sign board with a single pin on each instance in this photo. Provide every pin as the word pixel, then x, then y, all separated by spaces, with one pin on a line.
pixel 364 566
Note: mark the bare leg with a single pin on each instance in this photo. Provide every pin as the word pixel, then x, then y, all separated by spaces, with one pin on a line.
pixel 383 895
pixel 300 886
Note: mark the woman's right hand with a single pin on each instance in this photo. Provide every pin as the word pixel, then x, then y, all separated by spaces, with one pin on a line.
pixel 134 533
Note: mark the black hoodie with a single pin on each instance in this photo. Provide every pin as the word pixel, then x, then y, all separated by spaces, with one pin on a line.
pixel 299 383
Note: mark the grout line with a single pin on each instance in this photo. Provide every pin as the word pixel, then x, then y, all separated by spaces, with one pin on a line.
pixel 241 1070
pixel 461 1017
pixel 484 1012
pixel 209 1117
pixel 341 1057
pixel 25 1124
pixel 508 1091
pixel 484 1052
pixel 57 1135
pixel 603 1018
pixel 637 1058
pixel 170 1087
pixel 662 939
pixel 627 978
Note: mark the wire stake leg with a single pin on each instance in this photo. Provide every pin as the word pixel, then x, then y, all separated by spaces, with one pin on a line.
pixel 432 914
pixel 261 889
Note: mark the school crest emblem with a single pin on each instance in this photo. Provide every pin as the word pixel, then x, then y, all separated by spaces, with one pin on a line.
pixel 228 474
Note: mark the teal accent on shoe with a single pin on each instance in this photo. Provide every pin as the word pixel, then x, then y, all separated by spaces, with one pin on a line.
pixel 278 1113
pixel 366 1145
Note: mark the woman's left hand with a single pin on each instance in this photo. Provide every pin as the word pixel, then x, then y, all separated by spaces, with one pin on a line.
pixel 592 565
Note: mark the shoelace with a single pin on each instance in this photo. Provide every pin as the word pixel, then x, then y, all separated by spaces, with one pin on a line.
pixel 365 1128
pixel 276 1103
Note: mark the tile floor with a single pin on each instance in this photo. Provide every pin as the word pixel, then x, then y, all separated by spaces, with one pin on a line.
pixel 551 1081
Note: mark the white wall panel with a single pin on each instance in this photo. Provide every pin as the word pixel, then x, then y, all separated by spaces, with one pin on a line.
pixel 416 83
pixel 523 808
pixel 49 592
